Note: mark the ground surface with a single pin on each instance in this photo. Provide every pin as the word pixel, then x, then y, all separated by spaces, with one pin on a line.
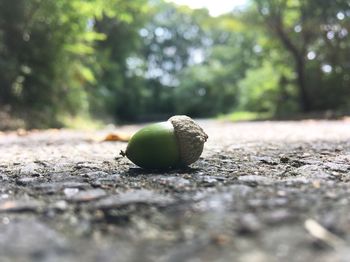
pixel 268 191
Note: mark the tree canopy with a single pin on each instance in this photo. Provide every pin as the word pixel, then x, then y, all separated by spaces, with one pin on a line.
pixel 141 60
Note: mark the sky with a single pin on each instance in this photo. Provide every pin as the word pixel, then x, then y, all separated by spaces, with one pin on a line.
pixel 215 7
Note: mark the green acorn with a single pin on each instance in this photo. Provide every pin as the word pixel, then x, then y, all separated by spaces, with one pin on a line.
pixel 175 143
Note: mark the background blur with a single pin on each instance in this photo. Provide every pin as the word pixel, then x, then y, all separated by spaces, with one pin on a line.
pixel 71 62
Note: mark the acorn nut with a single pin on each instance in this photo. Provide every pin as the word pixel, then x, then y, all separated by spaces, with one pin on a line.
pixel 175 143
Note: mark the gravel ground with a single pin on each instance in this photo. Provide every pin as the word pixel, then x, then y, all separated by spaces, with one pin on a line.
pixel 262 191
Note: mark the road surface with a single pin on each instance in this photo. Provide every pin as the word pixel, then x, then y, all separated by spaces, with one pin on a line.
pixel 262 191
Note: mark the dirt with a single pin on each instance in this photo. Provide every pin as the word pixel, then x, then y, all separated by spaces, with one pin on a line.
pixel 262 191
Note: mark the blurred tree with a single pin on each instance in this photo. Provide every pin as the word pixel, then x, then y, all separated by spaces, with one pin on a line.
pixel 144 59
pixel 46 50
pixel 307 28
pixel 264 98
pixel 118 91
pixel 174 39
pixel 213 83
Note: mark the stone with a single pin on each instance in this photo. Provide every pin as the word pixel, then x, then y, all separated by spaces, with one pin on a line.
pixel 30 240
pixel 53 187
pixel 111 180
pixel 254 180
pixel 268 160
pixel 24 181
pixel 95 175
pixel 172 181
pixel 141 196
pixel 30 169
pixel 20 206
pixel 70 192
pixel 337 167
pixel 86 196
pixel 312 172
pixel 249 224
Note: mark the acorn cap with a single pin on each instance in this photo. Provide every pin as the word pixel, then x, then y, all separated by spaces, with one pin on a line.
pixel 190 136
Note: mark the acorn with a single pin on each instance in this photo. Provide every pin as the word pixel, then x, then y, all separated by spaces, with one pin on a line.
pixel 175 143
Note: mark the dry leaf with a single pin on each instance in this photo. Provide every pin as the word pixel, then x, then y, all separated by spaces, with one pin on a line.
pixel 319 232
pixel 346 118
pixel 316 184
pixel 21 132
pixel 117 137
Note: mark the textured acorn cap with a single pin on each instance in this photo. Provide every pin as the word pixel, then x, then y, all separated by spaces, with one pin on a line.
pixel 190 136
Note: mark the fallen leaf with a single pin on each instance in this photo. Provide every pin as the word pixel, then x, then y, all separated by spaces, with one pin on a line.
pixel 220 239
pixel 316 184
pixel 18 206
pixel 319 232
pixel 117 137
pixel 21 132
pixel 346 118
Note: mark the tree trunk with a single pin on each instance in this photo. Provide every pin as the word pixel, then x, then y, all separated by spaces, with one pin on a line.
pixel 298 55
pixel 275 23
pixel 304 98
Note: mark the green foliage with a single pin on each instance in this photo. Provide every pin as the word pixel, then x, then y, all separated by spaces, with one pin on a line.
pixel 259 89
pixel 117 91
pixel 245 116
pixel 48 47
pixel 312 35
pixel 139 60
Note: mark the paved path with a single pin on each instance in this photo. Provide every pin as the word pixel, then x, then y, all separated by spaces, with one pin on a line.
pixel 263 191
